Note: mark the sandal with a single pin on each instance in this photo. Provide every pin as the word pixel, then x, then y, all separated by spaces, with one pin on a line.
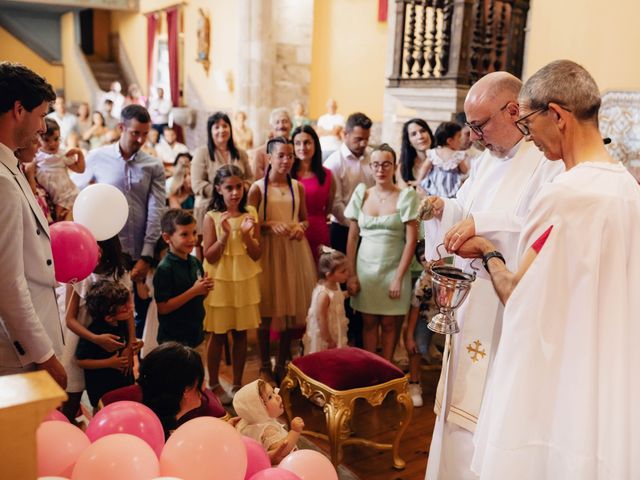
pixel 221 393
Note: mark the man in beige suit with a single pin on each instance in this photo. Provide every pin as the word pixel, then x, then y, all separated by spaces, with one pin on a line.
pixel 30 331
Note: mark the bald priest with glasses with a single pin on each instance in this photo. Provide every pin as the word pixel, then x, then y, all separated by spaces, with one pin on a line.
pixel 493 203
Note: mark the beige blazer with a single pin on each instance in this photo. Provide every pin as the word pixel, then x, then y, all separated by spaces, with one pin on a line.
pixel 30 329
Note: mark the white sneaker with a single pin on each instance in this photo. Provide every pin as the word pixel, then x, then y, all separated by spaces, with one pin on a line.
pixel 415 392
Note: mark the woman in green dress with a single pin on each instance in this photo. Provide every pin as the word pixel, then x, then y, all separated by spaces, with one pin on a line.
pixel 385 217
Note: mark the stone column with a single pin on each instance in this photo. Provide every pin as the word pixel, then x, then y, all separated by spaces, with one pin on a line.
pixel 256 57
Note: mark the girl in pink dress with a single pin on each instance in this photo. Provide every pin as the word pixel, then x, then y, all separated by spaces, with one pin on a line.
pixel 319 185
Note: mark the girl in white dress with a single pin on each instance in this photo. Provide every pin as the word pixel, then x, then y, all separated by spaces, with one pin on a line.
pixel 444 170
pixel 326 321
pixel 52 172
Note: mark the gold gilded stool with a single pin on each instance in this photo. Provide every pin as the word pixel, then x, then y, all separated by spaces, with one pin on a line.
pixel 338 377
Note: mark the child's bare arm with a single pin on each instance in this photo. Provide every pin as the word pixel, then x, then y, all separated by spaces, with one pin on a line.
pixel 116 362
pixel 282 448
pixel 78 166
pixel 323 318
pixel 107 341
pixel 424 170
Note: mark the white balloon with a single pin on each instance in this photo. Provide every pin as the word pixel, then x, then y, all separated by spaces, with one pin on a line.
pixel 103 209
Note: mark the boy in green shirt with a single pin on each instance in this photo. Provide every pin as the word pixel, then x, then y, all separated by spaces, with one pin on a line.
pixel 180 283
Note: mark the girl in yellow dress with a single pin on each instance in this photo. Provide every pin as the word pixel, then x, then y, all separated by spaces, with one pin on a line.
pixel 231 251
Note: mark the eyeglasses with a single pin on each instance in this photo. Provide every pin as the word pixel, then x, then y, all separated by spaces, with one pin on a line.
pixel 524 127
pixel 383 165
pixel 477 127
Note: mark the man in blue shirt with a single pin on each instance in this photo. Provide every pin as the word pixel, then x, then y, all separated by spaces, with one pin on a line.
pixel 140 177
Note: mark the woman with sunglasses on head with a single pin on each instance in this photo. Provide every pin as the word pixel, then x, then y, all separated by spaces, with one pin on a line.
pixel 384 216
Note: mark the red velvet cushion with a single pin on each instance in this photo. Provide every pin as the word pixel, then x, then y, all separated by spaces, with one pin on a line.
pixel 132 393
pixel 210 407
pixel 347 368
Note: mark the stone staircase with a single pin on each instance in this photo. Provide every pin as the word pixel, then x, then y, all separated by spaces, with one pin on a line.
pixel 106 72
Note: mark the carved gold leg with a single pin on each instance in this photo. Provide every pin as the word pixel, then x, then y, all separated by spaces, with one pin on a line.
pixel 338 415
pixel 404 400
pixel 288 383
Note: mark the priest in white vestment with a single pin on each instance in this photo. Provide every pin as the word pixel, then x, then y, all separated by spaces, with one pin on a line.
pixel 563 398
pixel 492 202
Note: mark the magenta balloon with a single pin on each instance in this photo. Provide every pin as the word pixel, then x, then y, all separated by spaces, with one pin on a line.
pixel 128 417
pixel 75 251
pixel 55 415
pixel 257 458
pixel 275 473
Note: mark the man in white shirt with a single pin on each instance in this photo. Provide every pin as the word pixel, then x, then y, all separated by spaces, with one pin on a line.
pixel 68 123
pixel 159 109
pixel 30 332
pixel 329 127
pixel 115 95
pixel 492 202
pixel 350 166
pixel 168 148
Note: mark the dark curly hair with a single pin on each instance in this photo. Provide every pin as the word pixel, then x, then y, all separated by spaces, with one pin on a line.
pixel 20 84
pixel 165 373
pixel 104 297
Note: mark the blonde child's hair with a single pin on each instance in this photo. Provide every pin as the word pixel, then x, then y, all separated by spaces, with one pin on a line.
pixel 329 260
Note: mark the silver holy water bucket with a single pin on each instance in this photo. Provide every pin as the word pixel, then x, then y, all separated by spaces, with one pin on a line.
pixel 450 287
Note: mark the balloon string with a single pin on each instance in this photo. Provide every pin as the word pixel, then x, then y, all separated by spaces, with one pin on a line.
pixel 73 282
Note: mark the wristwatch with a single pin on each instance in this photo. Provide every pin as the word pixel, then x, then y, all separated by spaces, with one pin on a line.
pixel 488 256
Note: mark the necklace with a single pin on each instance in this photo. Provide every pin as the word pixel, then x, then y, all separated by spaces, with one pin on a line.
pixel 380 198
pixel 281 189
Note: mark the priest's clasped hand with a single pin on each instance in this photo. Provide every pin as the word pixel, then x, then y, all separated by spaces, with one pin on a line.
pixel 458 234
pixel 475 247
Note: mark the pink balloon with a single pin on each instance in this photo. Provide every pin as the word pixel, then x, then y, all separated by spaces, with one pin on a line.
pixel 275 473
pixel 204 448
pixel 309 465
pixel 120 456
pixel 75 251
pixel 59 445
pixel 55 414
pixel 257 458
pixel 128 417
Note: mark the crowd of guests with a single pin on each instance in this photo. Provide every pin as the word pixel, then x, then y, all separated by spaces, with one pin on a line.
pixel 255 217
pixel 266 224
pixel 282 238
